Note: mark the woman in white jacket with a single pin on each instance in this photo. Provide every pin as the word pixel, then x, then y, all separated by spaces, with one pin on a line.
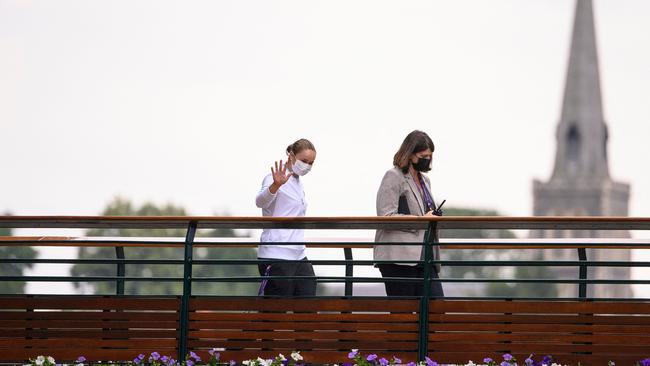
pixel 282 195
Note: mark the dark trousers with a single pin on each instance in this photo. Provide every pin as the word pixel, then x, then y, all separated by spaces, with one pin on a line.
pixel 415 288
pixel 288 288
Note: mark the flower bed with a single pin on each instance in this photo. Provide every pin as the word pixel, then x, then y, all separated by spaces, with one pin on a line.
pixel 355 358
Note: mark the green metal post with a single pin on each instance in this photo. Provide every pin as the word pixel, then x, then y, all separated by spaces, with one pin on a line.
pixel 187 290
pixel 423 336
pixel 582 286
pixel 121 270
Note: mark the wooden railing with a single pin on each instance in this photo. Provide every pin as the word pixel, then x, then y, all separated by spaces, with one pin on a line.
pixel 579 329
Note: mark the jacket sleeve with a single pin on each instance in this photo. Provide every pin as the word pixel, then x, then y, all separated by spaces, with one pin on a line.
pixel 388 195
pixel 264 197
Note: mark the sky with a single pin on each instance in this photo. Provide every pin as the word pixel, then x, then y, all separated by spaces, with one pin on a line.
pixel 191 102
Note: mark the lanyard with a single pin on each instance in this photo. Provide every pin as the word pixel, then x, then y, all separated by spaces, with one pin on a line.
pixel 428 200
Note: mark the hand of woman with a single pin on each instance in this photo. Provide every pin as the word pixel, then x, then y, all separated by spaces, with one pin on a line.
pixel 280 176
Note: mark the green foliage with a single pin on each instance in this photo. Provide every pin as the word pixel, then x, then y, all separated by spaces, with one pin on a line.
pixel 14 269
pixel 494 289
pixel 122 207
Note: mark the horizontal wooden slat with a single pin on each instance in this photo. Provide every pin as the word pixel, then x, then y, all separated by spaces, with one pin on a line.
pixel 541 328
pixel 539 319
pixel 39 333
pixel 311 317
pixel 533 348
pixel 91 315
pixel 550 338
pixel 367 335
pixel 281 305
pixel 88 343
pixel 78 324
pixel 540 307
pixel 89 302
pixel 307 345
pixel 206 325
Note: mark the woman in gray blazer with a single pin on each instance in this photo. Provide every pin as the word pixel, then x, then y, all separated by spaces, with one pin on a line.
pixel 405 191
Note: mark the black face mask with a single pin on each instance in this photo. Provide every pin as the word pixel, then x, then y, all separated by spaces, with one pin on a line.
pixel 423 165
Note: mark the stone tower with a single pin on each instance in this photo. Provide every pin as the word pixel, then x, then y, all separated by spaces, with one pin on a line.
pixel 580 184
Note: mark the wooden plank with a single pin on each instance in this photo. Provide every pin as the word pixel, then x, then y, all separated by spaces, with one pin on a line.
pixel 91 315
pixel 90 343
pixel 538 348
pixel 366 335
pixel 541 328
pixel 205 325
pixel 80 324
pixel 283 345
pixel 539 319
pixel 305 305
pixel 89 303
pixel 554 338
pixel 39 333
pixel 538 307
pixel 343 222
pixel 297 317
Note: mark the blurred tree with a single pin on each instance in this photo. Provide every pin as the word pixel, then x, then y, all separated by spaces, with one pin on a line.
pixel 494 289
pixel 14 269
pixel 123 207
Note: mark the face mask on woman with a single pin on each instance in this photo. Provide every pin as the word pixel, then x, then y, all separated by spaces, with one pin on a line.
pixel 300 168
pixel 423 165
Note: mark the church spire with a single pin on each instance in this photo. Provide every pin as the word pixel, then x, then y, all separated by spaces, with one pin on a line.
pixel 582 133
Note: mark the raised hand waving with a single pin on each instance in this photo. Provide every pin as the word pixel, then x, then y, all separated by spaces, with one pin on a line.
pixel 280 176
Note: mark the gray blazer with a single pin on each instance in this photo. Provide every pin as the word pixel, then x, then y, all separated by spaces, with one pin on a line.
pixel 399 195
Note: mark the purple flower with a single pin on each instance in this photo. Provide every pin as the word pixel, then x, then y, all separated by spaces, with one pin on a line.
pixel 371 357
pixel 233 362
pixel 189 362
pixel 529 361
pixel 430 362
pixel 411 364
pixel 353 353
pixel 505 363
pixel 137 360
pixel 547 360
pixel 645 362
pixel 397 361
pixel 507 357
pixel 488 360
pixel 195 356
pixel 164 359
pixel 383 361
pixel 347 364
pixel 80 359
pixel 171 362
pixel 155 356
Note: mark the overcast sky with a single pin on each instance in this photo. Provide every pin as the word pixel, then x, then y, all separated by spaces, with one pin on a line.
pixel 190 102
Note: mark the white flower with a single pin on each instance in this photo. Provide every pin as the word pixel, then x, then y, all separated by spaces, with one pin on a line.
pixel 263 362
pixel 39 360
pixel 296 356
pixel 246 363
pixel 79 364
pixel 51 360
pixel 471 363
pixel 281 357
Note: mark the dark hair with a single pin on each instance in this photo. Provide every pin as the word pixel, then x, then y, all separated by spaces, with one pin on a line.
pixel 414 142
pixel 300 145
